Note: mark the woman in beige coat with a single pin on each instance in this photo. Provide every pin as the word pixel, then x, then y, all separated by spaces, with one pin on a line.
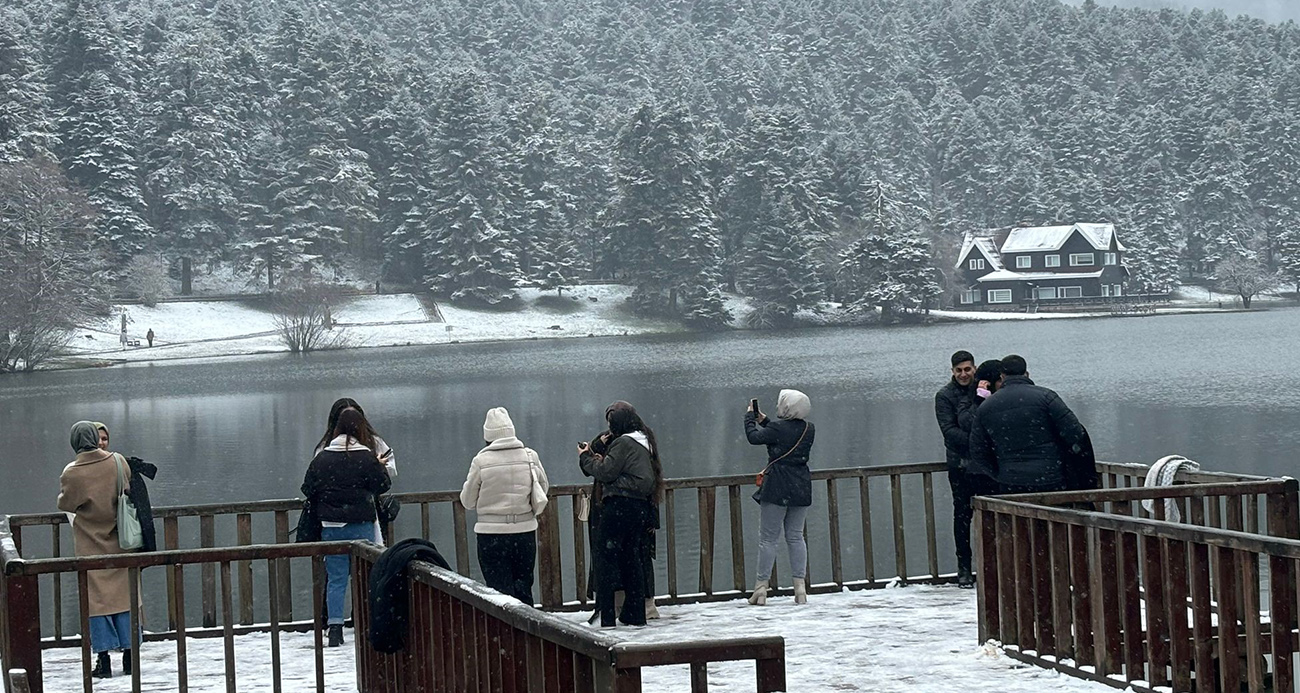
pixel 88 489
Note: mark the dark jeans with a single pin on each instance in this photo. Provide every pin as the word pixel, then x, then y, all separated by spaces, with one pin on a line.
pixel 507 563
pixel 966 486
pixel 624 524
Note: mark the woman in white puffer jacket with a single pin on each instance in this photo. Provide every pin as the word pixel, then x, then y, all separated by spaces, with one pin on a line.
pixel 507 486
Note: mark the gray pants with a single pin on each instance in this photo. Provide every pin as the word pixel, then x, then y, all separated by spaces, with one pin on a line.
pixel 775 520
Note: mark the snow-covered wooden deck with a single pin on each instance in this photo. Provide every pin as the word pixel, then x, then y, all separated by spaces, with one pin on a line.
pixel 909 639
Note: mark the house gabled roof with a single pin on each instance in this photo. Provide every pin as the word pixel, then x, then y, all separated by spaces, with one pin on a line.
pixel 1006 275
pixel 1049 238
pixel 988 248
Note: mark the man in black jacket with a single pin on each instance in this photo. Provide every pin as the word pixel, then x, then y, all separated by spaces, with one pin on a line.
pixel 1023 432
pixel 954 405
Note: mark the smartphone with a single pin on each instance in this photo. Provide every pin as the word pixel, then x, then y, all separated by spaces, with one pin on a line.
pixel 753 405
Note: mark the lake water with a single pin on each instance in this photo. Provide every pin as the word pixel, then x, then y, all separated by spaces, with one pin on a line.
pixel 1223 389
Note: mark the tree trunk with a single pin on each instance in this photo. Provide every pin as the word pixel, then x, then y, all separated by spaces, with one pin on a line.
pixel 270 273
pixel 187 276
pixel 1245 301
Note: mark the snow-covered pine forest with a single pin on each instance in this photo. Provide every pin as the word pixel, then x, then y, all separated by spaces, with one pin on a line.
pixel 789 150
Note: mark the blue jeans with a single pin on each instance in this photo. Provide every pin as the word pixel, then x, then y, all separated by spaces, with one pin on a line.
pixel 112 632
pixel 339 568
pixel 775 521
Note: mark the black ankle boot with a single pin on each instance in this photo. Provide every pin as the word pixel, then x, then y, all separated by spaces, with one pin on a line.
pixel 336 635
pixel 965 577
pixel 102 670
pixel 126 662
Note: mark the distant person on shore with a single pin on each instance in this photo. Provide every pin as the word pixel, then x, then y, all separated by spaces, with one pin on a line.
pixel 785 493
pixel 631 482
pixel 954 407
pixel 507 486
pixel 1020 434
pixel 149 336
pixel 89 491
pixel 344 482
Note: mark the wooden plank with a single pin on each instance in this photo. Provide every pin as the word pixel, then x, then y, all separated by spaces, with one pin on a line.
pixel 171 542
pixel 1059 538
pixel 462 538
pixel 931 541
pixel 900 542
pixel 1081 602
pixel 284 568
pixel 182 663
pixel 1229 646
pixel 135 618
pixel 22 626
pixel 1202 624
pixel 273 594
pixel 1024 585
pixel 244 537
pixel 1282 614
pixel 670 519
pixel 424 521
pixel 317 618
pixel 737 523
pixel 549 568
pixel 1157 618
pixel 699 677
pixel 83 598
pixel 208 539
pixel 227 622
pixel 56 546
pixel 771 674
pixel 986 589
pixel 1040 560
pixel 1175 575
pixel 1248 565
pixel 1007 620
pixel 708 506
pixel 1131 601
pixel 579 552
pixel 1109 626
pixel 868 553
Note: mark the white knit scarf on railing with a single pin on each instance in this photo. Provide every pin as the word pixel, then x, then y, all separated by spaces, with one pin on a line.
pixel 1162 473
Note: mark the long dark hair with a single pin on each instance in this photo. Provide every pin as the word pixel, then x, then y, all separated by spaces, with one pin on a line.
pixel 623 419
pixel 352 423
pixel 335 411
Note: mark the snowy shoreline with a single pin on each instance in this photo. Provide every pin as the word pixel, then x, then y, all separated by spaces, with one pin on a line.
pixel 194 330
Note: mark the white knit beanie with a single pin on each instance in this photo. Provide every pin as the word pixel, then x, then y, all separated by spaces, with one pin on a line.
pixel 498 425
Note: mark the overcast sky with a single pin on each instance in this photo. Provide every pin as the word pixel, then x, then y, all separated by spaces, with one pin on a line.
pixel 1272 10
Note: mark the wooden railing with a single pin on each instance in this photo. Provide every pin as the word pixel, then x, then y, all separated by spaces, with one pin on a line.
pixel 1204 604
pixel 465 637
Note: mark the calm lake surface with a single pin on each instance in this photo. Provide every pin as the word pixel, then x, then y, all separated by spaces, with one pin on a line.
pixel 1223 389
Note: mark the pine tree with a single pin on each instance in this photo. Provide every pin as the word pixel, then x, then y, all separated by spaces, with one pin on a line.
pixel 890 266
pixel 26 125
pixel 556 255
pixel 780 280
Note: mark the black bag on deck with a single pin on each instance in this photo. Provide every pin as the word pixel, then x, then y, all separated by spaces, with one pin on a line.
pixel 389 588
pixel 308 523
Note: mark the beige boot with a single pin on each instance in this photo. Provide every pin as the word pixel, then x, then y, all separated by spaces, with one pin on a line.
pixel 651 611
pixel 759 596
pixel 800 591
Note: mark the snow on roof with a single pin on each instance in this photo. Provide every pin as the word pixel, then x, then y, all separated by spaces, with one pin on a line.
pixel 1005 275
pixel 1038 238
pixel 987 247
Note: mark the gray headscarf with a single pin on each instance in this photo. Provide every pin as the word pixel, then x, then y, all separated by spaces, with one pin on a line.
pixel 793 404
pixel 85 437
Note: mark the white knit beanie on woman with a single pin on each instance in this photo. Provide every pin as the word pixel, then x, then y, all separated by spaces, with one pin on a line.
pixel 498 425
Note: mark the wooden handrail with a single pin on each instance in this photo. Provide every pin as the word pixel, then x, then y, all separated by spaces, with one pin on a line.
pixel 254 552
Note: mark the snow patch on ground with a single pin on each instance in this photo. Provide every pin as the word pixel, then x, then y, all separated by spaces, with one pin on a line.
pixel 888 641
pixel 1200 294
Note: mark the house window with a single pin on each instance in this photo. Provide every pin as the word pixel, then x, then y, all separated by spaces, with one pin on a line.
pixel 977 263
pixel 1082 259
pixel 1071 292
pixel 968 297
pixel 999 295
pixel 1048 292
pixel 1112 258
pixel 1053 260
pixel 1024 262
pixel 1105 289
pixel 1117 290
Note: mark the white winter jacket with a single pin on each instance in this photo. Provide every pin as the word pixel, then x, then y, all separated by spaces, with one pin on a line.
pixel 499 486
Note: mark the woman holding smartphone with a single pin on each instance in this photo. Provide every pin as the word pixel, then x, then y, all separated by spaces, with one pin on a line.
pixel 786 491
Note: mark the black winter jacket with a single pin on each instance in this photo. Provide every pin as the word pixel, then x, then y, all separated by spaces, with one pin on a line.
pixel 1019 436
pixel 343 485
pixel 139 495
pixel 954 407
pixel 389 587
pixel 624 470
pixel 789 481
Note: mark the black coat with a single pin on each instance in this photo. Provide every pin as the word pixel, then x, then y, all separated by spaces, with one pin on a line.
pixel 1020 434
pixel 788 481
pixel 138 493
pixel 626 469
pixel 389 587
pixel 954 408
pixel 343 485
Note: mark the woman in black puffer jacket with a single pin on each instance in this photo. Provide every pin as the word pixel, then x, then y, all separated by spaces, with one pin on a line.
pixel 786 493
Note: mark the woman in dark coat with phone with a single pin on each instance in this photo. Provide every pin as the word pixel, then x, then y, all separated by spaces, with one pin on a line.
pixel 786 492
pixel 631 484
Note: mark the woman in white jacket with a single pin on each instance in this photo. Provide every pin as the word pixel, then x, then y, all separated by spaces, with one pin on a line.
pixel 507 486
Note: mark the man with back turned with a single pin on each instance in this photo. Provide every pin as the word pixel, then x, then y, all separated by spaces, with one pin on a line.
pixel 1022 433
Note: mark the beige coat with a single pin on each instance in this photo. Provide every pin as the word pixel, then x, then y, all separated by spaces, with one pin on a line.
pixel 500 485
pixel 88 490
